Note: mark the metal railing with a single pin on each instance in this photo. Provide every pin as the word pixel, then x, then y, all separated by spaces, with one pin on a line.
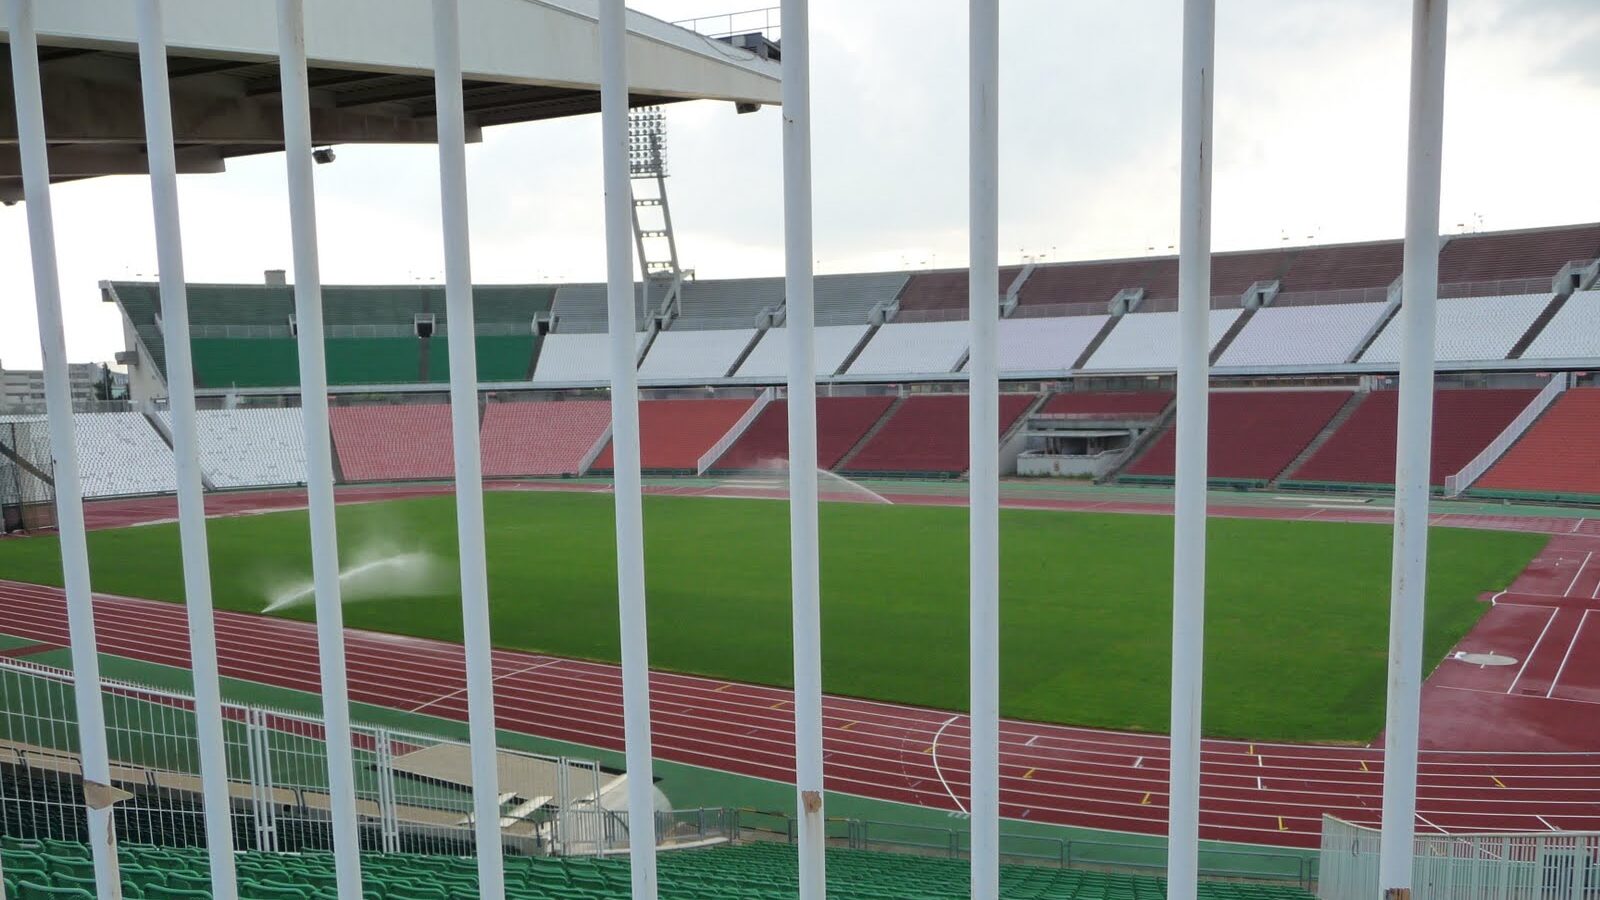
pixel 1508 866
pixel 413 791
pixel 765 21
pixel 372 330
pixel 1488 456
pixel 1041 850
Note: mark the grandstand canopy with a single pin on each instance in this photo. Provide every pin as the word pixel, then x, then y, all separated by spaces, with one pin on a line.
pixel 371 76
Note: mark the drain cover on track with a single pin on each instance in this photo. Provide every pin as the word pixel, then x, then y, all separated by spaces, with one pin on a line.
pixel 1485 659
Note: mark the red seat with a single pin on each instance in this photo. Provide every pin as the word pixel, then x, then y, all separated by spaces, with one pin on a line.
pixel 393 443
pixel 841 421
pixel 674 434
pixel 1254 435
pixel 928 433
pixel 548 438
pixel 1464 422
pixel 1559 454
pixel 1107 404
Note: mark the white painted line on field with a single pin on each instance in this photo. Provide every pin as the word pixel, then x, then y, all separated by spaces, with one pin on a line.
pixel 1577 527
pixel 1259 785
pixel 1581 566
pixel 1532 650
pixel 940 772
pixel 1031 740
pixel 456 693
pixel 1568 655
pixel 1138 763
pixel 1546 823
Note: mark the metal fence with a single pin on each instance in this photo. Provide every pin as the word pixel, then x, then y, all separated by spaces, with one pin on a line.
pixel 413 790
pixel 1216 861
pixel 1552 865
pixel 27 477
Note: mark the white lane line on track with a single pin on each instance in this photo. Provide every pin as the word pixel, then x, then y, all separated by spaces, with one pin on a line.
pixel 1576 633
pixel 1547 823
pixel 1581 566
pixel 456 693
pixel 1430 824
pixel 939 771
pixel 1532 650
pixel 1576 527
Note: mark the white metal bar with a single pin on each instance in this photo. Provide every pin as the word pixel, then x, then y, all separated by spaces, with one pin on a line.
pixel 983 436
pixel 31 147
pixel 804 565
pixel 1189 514
pixel 464 430
pixel 185 448
pixel 628 488
pixel 296 99
pixel 1419 288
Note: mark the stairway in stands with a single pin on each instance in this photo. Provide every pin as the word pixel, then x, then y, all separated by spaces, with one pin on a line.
pixel 883 420
pixel 1334 424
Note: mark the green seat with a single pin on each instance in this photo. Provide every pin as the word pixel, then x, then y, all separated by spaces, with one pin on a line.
pixel 28 890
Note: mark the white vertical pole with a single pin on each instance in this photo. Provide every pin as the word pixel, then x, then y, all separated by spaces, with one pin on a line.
pixel 625 446
pixel 984 443
pixel 31 144
pixel 804 568
pixel 185 449
pixel 1189 540
pixel 319 452
pixel 1419 286
pixel 452 137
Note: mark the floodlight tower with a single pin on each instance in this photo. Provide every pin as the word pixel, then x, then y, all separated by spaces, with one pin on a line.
pixel 652 217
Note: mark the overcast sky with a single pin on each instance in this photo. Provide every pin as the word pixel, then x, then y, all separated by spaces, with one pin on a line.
pixel 1310 147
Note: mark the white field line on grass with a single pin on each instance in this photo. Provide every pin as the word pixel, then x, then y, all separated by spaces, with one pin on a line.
pixel 1532 650
pixel 1576 633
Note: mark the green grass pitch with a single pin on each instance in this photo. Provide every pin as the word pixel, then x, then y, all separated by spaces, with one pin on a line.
pixel 1296 618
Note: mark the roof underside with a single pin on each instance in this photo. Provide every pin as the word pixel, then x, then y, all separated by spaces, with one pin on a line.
pixel 524 60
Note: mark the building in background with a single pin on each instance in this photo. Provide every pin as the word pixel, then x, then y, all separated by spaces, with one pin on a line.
pixel 22 390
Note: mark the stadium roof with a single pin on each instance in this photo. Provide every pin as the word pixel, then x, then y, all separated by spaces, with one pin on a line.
pixel 371 76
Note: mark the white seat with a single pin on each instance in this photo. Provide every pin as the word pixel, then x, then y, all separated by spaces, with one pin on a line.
pixel 576 358
pixel 1469 329
pixel 830 345
pixel 678 356
pixel 1573 333
pixel 1301 335
pixel 913 348
pixel 1149 341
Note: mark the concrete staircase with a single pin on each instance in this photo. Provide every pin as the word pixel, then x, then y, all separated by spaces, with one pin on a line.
pixel 844 461
pixel 1328 430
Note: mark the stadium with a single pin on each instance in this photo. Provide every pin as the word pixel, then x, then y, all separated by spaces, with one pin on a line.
pixel 1244 575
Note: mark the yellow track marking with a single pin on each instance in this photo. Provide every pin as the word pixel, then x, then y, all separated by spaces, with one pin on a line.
pixel 723 688
pixel 1281 826
pixel 778 705
pixel 1364 766
pixel 1497 782
pixel 1029 773
pixel 848 725
pixel 929 749
pixel 1252 749
pixel 1146 800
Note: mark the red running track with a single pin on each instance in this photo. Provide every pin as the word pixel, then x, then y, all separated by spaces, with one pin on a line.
pixel 1262 793
pixel 1533 766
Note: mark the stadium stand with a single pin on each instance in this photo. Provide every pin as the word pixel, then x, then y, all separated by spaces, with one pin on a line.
pixel 913 348
pixel 543 438
pixel 120 454
pixel 241 448
pixel 731 303
pixel 1045 345
pixel 393 360
pixel 831 345
pixel 1361 451
pixel 1342 267
pixel 393 442
pixel 501 358
pixel 674 434
pixel 1574 332
pixel 945 289
pixel 1089 284
pixel 56 870
pixel 841 423
pixel 581 308
pixel 1303 336
pixel 1470 329
pixel 1105 405
pixel 1149 341
pixel 249 363
pixel 1254 436
pixel 1533 252
pixel 1555 458
pixel 679 356
pixel 927 434
pixel 576 358
pixel 848 299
